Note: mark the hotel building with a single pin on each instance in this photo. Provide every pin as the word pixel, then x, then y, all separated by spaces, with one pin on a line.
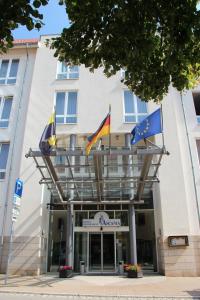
pixel 120 204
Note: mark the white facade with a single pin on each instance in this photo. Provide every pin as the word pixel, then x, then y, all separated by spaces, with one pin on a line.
pixel 14 133
pixel 176 198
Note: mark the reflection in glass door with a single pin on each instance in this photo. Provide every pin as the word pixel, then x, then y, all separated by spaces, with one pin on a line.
pixel 95 252
pixel 101 252
pixel 108 252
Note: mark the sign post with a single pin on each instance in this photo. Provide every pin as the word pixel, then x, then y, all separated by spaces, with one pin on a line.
pixel 15 213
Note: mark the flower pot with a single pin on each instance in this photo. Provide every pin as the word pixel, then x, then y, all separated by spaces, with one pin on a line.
pixel 134 274
pixel 65 273
pixel 139 274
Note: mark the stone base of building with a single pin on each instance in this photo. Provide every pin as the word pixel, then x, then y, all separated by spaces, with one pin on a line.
pixel 179 261
pixel 27 256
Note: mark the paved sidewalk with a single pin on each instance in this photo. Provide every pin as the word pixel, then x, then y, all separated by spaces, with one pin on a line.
pixel 107 286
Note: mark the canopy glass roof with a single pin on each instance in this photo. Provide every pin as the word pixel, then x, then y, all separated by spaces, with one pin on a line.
pixel 105 176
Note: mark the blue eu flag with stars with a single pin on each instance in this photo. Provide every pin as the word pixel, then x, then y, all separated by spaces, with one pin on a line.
pixel 148 127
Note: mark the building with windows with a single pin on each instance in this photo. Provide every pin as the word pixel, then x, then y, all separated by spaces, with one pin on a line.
pixel 16 69
pixel 122 203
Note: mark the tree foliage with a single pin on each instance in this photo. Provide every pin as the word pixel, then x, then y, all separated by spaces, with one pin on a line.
pixel 15 12
pixel 157 42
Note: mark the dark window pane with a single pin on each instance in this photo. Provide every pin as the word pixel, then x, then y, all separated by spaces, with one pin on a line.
pixel 3 124
pixel 2 81
pixel 11 81
pixel 73 75
pixel 196 97
pixel 2 175
pixel 71 120
pixel 60 103
pixel 131 119
pixel 64 67
pixel 4 68
pixel 73 69
pixel 128 102
pixel 72 103
pixel 60 120
pixel 61 76
pixel 6 108
pixel 4 148
pixel 141 106
pixel 14 68
pixel 198 148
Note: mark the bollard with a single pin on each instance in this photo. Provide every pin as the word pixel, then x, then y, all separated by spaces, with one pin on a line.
pixel 121 267
pixel 82 267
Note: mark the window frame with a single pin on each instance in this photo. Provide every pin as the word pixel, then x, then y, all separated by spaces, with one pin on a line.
pixel 4 170
pixel 135 114
pixel 65 115
pixel 2 103
pixel 7 77
pixel 66 75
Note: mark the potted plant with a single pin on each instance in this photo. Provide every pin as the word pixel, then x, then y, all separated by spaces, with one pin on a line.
pixel 133 271
pixel 65 271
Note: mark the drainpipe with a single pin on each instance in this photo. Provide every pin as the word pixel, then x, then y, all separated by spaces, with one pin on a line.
pixel 191 159
pixel 132 223
pixel 69 230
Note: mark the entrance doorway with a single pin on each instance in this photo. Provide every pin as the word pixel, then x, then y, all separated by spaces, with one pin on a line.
pixel 102 252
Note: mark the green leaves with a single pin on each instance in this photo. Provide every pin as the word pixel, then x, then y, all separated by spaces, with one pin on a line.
pixel 37 3
pixel 13 13
pixel 157 42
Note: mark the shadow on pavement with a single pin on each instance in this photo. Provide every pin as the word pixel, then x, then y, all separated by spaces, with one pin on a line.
pixel 194 293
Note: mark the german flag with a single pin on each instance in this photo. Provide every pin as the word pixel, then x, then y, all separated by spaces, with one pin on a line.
pixel 48 138
pixel 104 129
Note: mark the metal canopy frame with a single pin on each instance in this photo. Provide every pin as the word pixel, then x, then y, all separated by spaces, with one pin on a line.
pixel 117 175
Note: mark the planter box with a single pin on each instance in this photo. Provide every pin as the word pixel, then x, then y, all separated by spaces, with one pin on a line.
pixel 134 274
pixel 65 273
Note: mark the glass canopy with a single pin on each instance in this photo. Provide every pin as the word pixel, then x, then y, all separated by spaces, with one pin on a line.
pixel 116 175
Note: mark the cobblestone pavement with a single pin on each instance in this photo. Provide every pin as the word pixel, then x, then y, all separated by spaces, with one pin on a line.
pixel 102 287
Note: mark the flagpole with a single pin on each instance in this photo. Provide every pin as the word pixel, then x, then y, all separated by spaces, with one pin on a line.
pixel 163 141
pixel 110 130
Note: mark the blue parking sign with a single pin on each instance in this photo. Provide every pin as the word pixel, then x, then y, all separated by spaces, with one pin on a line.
pixel 18 187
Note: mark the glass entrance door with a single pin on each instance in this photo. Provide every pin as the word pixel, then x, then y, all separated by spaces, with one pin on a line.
pixel 101 252
pixel 95 252
pixel 108 252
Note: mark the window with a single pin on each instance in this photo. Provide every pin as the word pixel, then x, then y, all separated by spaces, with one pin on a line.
pixel 67 72
pixel 5 109
pixel 60 163
pixel 4 149
pixel 198 148
pixel 112 161
pixel 66 107
pixel 77 163
pixel 8 71
pixel 196 97
pixel 135 110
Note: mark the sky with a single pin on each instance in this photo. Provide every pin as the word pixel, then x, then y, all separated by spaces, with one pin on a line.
pixel 54 17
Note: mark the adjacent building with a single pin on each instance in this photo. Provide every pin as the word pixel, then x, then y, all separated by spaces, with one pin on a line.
pixel 121 203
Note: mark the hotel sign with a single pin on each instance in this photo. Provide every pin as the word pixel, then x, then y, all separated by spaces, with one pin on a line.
pixel 101 219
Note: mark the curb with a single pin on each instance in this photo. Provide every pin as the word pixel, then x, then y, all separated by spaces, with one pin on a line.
pixel 110 297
